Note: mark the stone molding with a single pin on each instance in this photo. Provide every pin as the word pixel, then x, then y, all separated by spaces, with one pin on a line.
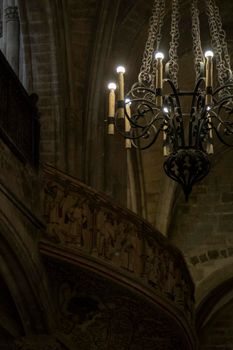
pixel 12 13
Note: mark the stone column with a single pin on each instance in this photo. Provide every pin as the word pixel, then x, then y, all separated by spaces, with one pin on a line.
pixel 12 36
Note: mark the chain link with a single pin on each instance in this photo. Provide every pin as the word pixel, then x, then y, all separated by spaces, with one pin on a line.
pixel 174 44
pixel 146 74
pixel 218 38
pixel 196 36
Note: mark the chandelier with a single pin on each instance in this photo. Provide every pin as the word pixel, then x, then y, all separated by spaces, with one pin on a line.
pixel 187 120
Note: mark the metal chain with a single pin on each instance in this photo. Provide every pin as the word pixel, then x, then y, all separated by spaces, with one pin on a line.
pixel 146 74
pixel 219 44
pixel 197 47
pixel 175 35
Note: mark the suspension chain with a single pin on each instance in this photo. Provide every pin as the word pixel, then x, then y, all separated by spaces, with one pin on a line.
pixel 175 35
pixel 146 74
pixel 219 44
pixel 197 47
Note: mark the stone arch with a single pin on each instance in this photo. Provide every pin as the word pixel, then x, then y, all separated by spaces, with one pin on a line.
pixel 220 277
pixel 214 315
pixel 216 299
pixel 22 271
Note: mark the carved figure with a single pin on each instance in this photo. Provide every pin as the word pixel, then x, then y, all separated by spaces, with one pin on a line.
pixel 53 209
pixel 106 235
pixel 76 220
pixel 152 266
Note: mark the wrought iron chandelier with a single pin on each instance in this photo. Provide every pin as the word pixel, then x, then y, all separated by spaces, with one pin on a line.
pixel 155 104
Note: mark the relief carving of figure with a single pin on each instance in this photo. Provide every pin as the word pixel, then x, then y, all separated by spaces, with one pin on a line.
pixel 169 280
pixel 152 266
pixel 127 239
pixel 76 222
pixel 53 210
pixel 106 235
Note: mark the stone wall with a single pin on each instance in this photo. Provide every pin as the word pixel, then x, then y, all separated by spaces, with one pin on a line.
pixel 217 334
pixel 202 227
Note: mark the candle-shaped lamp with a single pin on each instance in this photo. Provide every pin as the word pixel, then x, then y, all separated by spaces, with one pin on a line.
pixel 209 77
pixel 111 107
pixel 159 56
pixel 121 94
pixel 127 123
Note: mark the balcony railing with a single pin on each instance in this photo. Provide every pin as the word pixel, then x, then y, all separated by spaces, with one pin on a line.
pixel 19 124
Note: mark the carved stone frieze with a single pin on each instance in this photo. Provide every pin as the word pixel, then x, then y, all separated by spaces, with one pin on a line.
pixel 80 218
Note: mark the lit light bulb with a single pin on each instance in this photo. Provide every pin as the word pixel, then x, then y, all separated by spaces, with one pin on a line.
pixel 209 53
pixel 208 108
pixel 128 101
pixel 165 109
pixel 159 55
pixel 120 69
pixel 112 86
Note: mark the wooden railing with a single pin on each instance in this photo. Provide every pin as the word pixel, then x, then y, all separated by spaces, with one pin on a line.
pixel 92 225
pixel 19 124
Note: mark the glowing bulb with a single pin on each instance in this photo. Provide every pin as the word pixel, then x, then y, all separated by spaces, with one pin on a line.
pixel 112 86
pixel 208 108
pixel 127 101
pixel 120 69
pixel 159 55
pixel 209 53
pixel 165 109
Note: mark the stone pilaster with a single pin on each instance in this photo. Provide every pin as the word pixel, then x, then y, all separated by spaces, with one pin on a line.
pixel 72 155
pixel 12 36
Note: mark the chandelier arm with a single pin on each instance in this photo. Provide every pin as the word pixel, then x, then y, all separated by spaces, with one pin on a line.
pixel 200 128
pixel 141 89
pixel 199 113
pixel 135 116
pixel 216 91
pixel 220 137
pixel 174 90
pixel 153 120
pixel 221 105
pixel 132 119
pixel 157 131
pixel 126 134
pixel 177 110
pixel 195 92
